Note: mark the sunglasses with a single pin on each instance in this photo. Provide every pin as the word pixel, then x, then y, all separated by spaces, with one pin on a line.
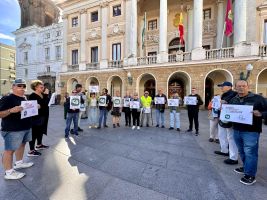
pixel 21 86
pixel 146 93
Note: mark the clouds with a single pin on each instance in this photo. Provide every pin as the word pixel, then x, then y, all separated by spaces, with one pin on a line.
pixel 6 37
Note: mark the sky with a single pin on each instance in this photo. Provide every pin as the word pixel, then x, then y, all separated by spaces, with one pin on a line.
pixel 9 20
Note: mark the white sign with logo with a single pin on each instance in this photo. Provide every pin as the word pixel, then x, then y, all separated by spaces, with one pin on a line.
pixel 75 102
pixel 93 88
pixel 216 102
pixel 159 100
pixel 30 108
pixel 173 102
pixel 126 102
pixel 237 113
pixel 135 104
pixel 188 100
pixel 116 101
pixel 102 101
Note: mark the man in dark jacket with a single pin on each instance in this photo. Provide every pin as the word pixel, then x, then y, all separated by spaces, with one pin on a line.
pixel 247 136
pixel 193 112
pixel 103 110
pixel 160 108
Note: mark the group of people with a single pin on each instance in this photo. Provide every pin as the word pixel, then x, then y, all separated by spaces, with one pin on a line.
pixel 236 137
pixel 17 130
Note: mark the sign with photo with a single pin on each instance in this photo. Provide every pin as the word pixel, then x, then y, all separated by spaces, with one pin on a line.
pixel 30 108
pixel 173 102
pixel 216 102
pixel 93 88
pixel 116 101
pixel 188 100
pixel 126 102
pixel 237 113
pixel 75 102
pixel 102 100
pixel 159 100
pixel 135 104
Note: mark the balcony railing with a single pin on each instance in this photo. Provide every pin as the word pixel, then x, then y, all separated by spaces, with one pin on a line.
pixel 179 57
pixel 220 53
pixel 95 65
pixel 115 64
pixel 148 60
pixel 263 50
pixel 73 67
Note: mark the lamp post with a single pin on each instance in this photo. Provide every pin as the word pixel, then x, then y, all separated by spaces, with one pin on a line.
pixel 130 78
pixel 249 69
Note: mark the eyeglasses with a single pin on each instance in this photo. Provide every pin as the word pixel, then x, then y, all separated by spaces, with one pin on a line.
pixel 21 86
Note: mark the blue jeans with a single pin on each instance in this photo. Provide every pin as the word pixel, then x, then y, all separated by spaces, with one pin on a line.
pixel 158 116
pixel 174 115
pixel 72 117
pixel 102 114
pixel 92 116
pixel 248 145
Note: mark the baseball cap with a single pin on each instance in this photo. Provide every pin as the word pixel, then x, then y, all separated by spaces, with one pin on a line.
pixel 226 83
pixel 19 82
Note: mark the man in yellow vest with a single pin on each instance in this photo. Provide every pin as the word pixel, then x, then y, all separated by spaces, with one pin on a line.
pixel 146 102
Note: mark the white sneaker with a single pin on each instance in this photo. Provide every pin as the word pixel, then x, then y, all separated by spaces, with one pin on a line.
pixel 138 127
pixel 14 175
pixel 23 165
pixel 90 127
pixel 133 127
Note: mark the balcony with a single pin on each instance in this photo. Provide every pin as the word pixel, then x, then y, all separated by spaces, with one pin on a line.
pixel 92 66
pixel 73 68
pixel 148 60
pixel 220 53
pixel 179 57
pixel 263 50
pixel 115 64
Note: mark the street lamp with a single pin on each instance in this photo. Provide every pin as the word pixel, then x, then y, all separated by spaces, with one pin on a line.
pixel 249 69
pixel 130 78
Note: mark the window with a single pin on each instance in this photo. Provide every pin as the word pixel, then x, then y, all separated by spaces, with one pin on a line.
pixel 154 53
pixel 47 53
pixel 265 32
pixel 152 57
pixel 206 47
pixel 94 16
pixel 26 72
pixel 116 51
pixel 94 54
pixel 152 24
pixel 58 52
pixel 25 57
pixel 74 57
pixel 207 13
pixel 58 33
pixel 74 21
pixel 116 10
pixel 48 69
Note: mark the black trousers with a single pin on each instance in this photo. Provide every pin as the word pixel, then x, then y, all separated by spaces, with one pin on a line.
pixel 37 134
pixel 136 117
pixel 193 116
pixel 127 114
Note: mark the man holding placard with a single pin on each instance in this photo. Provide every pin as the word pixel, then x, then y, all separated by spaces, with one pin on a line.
pixel 16 131
pixel 247 136
pixel 160 101
pixel 105 104
pixel 146 101
pixel 193 101
pixel 173 104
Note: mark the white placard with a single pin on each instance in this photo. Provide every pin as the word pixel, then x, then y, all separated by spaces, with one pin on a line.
pixel 159 100
pixel 30 108
pixel 237 113
pixel 135 104
pixel 216 102
pixel 173 102
pixel 188 100
pixel 147 110
pixel 93 88
pixel 52 99
pixel 116 101
pixel 75 102
pixel 126 102
pixel 102 101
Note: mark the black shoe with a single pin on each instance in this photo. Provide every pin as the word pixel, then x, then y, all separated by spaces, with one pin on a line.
pixel 171 128
pixel 178 129
pixel 33 153
pixel 162 126
pixel 126 124
pixel 118 124
pixel 189 130
pixel 71 131
pixel 106 126
pixel 147 125
pixel 239 170
pixel 221 153
pixel 217 141
pixel 196 133
pixel 79 129
pixel 157 126
pixel 114 126
pixel 41 147
pixel 248 180
pixel 141 125
pixel 99 127
pixel 230 162
pixel 211 140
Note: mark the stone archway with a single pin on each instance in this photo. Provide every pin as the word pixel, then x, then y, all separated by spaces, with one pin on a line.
pixel 147 82
pixel 71 84
pixel 262 83
pixel 115 83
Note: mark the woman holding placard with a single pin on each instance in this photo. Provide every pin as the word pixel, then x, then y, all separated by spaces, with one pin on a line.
pixel 116 111
pixel 135 108
pixel 174 104
pixel 126 108
pixel 92 104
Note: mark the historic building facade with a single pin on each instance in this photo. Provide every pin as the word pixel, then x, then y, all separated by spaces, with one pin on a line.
pixel 135 45
pixel 7 68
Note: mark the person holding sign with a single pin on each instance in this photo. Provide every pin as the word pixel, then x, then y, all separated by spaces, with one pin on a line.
pixel 73 106
pixel 160 101
pixel 105 104
pixel 92 104
pixel 247 136
pixel 213 116
pixel 174 104
pixel 126 108
pixel 15 131
pixel 116 111
pixel 135 108
pixel 193 109
pixel 146 102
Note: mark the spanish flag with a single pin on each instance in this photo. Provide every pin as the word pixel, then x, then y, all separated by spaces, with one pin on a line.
pixel 229 19
pixel 181 29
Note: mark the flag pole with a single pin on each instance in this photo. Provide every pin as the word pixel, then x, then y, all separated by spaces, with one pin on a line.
pixel 223 34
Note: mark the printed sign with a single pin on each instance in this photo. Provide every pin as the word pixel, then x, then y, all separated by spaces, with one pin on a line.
pixel 116 101
pixel 93 88
pixel 216 102
pixel 126 102
pixel 102 101
pixel 147 110
pixel 30 108
pixel 173 102
pixel 135 104
pixel 237 113
pixel 75 102
pixel 190 100
pixel 159 100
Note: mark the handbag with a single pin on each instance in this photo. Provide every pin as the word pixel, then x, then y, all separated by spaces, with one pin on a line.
pixel 225 124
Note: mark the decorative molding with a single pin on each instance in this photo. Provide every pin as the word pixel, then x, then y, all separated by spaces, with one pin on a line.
pixel 24 46
pixel 104 3
pixel 83 11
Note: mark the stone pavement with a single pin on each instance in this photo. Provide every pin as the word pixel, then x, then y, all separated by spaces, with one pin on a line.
pixel 122 164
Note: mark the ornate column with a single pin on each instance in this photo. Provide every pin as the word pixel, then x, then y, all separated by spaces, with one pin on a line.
pixel 104 36
pixel 163 29
pixel 240 28
pixel 220 23
pixel 83 25
pixel 65 43
pixel 189 42
pixel 198 52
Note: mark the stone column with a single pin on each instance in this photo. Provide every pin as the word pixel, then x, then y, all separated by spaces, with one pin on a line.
pixel 198 52
pixel 220 23
pixel 240 28
pixel 189 42
pixel 104 36
pixel 163 29
pixel 83 25
pixel 65 43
